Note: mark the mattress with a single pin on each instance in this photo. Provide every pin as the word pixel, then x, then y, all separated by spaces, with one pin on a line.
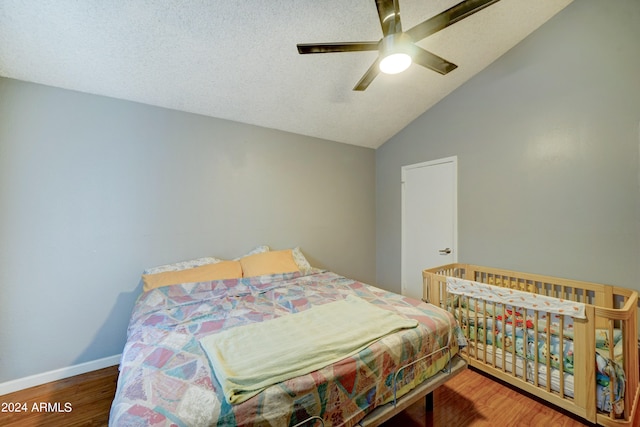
pixel 166 378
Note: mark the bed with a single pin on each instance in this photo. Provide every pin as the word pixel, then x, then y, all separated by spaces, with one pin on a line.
pixel 167 374
pixel 573 344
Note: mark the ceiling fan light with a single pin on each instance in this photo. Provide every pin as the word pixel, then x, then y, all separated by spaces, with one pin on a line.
pixel 395 63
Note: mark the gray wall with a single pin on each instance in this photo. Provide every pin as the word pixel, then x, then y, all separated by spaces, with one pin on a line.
pixel 547 141
pixel 93 190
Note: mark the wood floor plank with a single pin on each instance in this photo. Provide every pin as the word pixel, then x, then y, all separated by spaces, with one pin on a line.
pixel 471 399
pixel 82 400
pixel 474 399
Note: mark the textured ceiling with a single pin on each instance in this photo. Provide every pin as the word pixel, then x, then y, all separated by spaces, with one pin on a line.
pixel 237 60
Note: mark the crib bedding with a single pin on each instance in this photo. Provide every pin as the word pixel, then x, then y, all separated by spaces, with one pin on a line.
pixel 603 399
pixel 500 328
pixel 167 379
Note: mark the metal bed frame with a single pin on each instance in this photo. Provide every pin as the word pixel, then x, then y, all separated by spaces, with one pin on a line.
pixel 455 366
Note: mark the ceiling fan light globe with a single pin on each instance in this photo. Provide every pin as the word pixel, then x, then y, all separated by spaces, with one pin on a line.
pixel 395 63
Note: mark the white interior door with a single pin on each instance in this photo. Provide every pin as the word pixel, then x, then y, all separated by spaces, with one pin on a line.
pixel 429 220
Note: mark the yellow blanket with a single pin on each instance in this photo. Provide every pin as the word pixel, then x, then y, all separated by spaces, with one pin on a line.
pixel 249 358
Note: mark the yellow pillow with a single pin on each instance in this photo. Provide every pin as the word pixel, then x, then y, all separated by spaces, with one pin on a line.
pixel 273 262
pixel 204 273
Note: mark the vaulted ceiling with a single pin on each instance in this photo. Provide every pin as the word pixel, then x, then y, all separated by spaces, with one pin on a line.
pixel 237 60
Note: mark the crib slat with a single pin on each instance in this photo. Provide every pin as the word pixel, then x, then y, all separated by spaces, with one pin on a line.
pixel 561 354
pixel 525 340
pixel 486 333
pixel 612 380
pixel 514 335
pixel 475 325
pixel 547 356
pixel 495 336
pixel 535 349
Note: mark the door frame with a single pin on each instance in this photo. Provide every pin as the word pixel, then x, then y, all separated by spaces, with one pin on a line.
pixel 454 161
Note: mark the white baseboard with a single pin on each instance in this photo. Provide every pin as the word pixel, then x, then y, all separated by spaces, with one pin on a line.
pixel 58 374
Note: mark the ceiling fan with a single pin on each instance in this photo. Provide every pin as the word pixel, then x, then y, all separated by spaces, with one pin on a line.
pixel 397 48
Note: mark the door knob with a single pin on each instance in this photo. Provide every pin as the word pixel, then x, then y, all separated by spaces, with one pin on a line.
pixel 445 251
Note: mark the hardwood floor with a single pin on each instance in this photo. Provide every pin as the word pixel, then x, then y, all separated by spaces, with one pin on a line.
pixel 474 399
pixel 470 399
pixel 83 400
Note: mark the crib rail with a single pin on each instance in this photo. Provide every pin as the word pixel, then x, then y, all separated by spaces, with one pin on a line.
pixel 609 310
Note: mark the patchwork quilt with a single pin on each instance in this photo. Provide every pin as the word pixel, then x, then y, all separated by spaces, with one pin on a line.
pixel 167 379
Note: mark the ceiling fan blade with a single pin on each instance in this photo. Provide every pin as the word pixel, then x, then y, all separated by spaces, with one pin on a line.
pixel 389 14
pixel 432 61
pixel 336 47
pixel 447 18
pixel 368 77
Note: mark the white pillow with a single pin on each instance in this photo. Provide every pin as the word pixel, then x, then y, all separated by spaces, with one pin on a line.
pixel 257 250
pixel 183 265
pixel 300 259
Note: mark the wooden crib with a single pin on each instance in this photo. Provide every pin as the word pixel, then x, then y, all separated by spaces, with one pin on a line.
pixel 610 312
